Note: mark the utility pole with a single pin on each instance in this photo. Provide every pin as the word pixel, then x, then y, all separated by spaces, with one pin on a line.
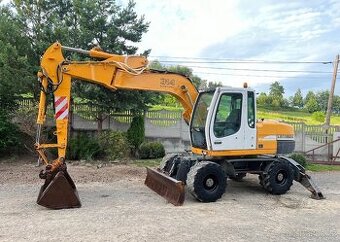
pixel 331 94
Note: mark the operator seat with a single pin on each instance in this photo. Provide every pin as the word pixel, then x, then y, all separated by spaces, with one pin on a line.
pixel 233 122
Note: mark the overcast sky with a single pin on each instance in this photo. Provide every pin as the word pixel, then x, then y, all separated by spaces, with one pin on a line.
pixel 268 30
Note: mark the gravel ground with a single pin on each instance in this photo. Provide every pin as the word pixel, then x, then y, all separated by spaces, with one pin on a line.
pixel 116 206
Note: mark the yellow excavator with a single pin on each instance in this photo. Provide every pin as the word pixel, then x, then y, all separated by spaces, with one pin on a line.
pixel 227 141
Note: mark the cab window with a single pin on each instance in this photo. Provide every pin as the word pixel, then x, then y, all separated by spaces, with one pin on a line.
pixel 251 110
pixel 228 115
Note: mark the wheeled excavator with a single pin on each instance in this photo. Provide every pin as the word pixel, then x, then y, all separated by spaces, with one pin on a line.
pixel 226 139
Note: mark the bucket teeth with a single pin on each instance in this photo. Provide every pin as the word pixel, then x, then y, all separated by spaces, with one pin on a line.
pixel 166 186
pixel 59 192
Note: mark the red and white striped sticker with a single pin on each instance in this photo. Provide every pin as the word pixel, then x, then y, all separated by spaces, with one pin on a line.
pixel 61 107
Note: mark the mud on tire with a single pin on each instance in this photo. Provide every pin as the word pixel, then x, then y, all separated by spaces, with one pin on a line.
pixel 167 162
pixel 206 181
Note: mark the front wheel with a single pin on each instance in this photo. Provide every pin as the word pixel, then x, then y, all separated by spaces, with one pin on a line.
pixel 167 164
pixel 206 181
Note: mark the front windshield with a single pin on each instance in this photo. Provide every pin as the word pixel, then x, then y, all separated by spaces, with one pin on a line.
pixel 201 110
pixel 199 119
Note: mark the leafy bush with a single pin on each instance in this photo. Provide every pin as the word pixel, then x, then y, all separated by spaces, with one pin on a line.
pixel 136 132
pixel 9 133
pixel 83 147
pixel 150 150
pixel 318 116
pixel 299 158
pixel 114 144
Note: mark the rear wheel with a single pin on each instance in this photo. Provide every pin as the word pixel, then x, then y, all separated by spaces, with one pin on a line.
pixel 206 181
pixel 278 177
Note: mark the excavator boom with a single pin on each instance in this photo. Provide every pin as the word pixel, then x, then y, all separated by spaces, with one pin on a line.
pixel 110 71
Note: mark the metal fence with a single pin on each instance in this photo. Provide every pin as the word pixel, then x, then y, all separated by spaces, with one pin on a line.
pixel 319 144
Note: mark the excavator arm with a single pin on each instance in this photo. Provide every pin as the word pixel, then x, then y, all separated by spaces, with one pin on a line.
pixel 108 70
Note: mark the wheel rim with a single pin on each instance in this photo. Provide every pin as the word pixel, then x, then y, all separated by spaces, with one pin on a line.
pixel 281 177
pixel 210 183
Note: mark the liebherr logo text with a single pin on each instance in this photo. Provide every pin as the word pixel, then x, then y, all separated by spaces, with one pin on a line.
pixel 167 82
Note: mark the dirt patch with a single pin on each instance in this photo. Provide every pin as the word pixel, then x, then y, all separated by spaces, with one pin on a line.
pixel 25 170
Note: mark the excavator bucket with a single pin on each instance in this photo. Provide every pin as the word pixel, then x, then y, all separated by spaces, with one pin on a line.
pixel 59 192
pixel 166 186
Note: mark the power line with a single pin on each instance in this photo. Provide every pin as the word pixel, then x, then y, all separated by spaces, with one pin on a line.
pixel 239 61
pixel 246 62
pixel 262 70
pixel 270 76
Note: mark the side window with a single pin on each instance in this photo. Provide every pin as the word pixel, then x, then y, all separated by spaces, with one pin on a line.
pixel 228 115
pixel 251 110
pixel 223 109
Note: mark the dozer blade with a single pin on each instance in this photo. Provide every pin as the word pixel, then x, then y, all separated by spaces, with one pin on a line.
pixel 59 193
pixel 166 186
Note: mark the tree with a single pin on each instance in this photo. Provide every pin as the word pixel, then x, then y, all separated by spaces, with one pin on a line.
pixel 310 94
pixel 155 64
pixel 111 27
pixel 336 104
pixel 85 24
pixel 312 105
pixel 298 99
pixel 14 69
pixel 213 85
pixel 136 133
pixel 276 94
pixel 14 65
pixel 186 71
pixel 322 99
pixel 262 99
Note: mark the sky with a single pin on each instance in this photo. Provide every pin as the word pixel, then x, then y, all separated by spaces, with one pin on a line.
pixel 273 40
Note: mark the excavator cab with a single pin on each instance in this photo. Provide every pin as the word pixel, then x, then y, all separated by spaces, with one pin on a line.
pixel 222 120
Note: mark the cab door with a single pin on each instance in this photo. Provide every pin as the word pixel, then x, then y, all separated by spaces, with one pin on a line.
pixel 227 123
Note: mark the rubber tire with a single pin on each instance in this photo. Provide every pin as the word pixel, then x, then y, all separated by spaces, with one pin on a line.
pixel 261 180
pixel 271 181
pixel 183 170
pixel 197 178
pixel 167 162
pixel 238 177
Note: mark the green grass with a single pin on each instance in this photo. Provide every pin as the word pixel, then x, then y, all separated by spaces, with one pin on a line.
pixel 319 167
pixel 293 116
